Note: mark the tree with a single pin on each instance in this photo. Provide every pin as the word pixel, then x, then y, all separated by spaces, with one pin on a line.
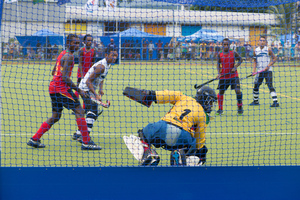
pixel 285 14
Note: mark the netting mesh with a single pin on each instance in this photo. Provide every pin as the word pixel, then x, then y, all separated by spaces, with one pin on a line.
pixel 169 45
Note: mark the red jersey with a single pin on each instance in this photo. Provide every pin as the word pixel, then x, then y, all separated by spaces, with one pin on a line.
pixel 227 62
pixel 57 85
pixel 87 61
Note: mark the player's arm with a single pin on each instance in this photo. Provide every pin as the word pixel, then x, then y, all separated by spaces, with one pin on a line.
pixel 239 59
pixel 80 63
pixel 67 61
pixel 274 59
pixel 254 62
pixel 100 92
pixel 219 66
pixel 166 96
pixel 99 69
pixel 53 70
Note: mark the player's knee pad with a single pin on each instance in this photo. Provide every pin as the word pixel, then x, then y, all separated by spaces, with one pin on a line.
pixel 178 157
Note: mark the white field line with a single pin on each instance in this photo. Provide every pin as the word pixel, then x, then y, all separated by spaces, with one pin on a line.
pixel 119 134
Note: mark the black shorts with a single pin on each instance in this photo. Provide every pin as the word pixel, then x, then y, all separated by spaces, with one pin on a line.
pixel 78 80
pixel 268 76
pixel 67 100
pixel 225 83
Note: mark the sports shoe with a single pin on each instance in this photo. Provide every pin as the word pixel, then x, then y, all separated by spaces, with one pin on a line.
pixel 35 143
pixel 254 103
pixel 150 158
pixel 219 112
pixel 76 136
pixel 240 111
pixel 275 104
pixel 90 146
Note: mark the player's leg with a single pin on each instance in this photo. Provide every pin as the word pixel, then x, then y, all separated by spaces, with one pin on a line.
pixel 239 95
pixel 222 87
pixel 257 82
pixel 269 81
pixel 92 114
pixel 72 102
pixel 57 108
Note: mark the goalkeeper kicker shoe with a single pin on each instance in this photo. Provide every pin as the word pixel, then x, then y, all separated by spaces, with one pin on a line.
pixel 90 146
pixel 275 104
pixel 150 158
pixel 35 143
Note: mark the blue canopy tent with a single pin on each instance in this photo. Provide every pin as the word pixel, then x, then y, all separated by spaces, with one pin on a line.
pixel 204 35
pixel 43 36
pixel 137 37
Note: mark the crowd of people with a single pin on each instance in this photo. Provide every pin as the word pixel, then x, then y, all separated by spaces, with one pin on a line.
pixel 149 50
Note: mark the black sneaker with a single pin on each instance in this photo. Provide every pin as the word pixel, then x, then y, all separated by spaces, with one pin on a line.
pixel 275 104
pixel 219 112
pixel 35 143
pixel 240 111
pixel 254 103
pixel 76 136
pixel 90 146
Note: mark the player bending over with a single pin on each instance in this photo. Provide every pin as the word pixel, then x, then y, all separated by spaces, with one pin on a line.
pixel 181 130
pixel 262 61
pixel 61 94
pixel 228 76
pixel 93 80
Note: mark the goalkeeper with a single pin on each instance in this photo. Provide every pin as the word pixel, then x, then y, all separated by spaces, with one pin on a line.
pixel 181 130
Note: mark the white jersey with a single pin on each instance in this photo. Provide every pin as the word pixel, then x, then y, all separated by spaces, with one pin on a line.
pixel 83 86
pixel 262 58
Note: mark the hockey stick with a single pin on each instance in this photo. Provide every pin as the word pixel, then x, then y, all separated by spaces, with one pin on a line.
pixel 253 74
pixel 100 103
pixel 196 86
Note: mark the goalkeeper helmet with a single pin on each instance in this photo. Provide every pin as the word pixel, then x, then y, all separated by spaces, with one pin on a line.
pixel 206 97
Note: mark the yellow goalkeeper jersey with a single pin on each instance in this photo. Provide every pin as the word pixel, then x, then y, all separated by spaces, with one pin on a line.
pixel 186 113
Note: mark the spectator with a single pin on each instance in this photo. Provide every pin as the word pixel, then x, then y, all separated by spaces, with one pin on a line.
pixel 217 49
pixel 239 48
pixel 111 46
pixel 171 51
pixel 211 51
pixel 287 51
pixel 184 49
pixel 5 50
pixel 274 48
pixel 297 51
pixel 137 50
pixel 40 53
pixel 48 51
pixel 280 52
pixel 166 51
pixel 127 49
pixel 54 52
pixel 177 51
pixel 151 49
pixel 248 49
pixel 233 46
pixel 203 50
pixel 11 51
pixel 145 45
pixel 38 46
pixel 159 50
